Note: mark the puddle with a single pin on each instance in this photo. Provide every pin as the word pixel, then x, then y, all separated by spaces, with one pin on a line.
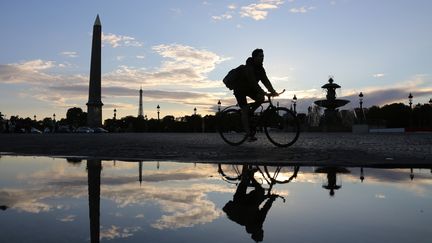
pixel 46 199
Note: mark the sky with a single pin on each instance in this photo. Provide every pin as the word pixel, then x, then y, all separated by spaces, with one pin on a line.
pixel 179 51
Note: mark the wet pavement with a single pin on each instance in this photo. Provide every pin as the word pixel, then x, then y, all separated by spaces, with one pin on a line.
pixel 45 199
pixel 311 148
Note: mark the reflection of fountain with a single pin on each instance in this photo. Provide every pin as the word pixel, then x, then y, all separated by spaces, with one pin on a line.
pixel 331 104
pixel 331 177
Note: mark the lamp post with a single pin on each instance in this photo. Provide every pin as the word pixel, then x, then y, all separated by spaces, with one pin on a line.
pixel 34 117
pixel 54 123
pixel 195 109
pixel 361 100
pixel 158 110
pixel 295 104
pixel 430 101
pixel 410 97
pixel 115 114
pixel 219 106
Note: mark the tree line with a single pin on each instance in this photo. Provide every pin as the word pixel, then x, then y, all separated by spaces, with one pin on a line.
pixel 390 116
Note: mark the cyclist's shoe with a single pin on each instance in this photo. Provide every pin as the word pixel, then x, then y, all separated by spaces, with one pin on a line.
pixel 252 138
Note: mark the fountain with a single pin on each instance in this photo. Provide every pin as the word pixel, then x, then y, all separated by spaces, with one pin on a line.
pixel 331 104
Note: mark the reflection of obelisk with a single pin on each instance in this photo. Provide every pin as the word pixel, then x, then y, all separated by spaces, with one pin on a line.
pixel 94 104
pixel 94 168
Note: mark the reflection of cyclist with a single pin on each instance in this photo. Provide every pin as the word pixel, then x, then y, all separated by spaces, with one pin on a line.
pixel 244 208
pixel 247 85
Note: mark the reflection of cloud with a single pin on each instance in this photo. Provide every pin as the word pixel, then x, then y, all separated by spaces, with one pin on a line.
pixel 115 232
pixel 187 215
pixel 68 218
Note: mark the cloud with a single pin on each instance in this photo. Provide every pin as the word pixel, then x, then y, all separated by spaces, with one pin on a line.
pixel 27 72
pixel 224 16
pixel 69 54
pixel 378 75
pixel 259 11
pixel 120 40
pixel 303 9
pixel 183 67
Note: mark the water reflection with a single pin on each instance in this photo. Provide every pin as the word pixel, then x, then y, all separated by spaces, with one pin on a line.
pixel 94 168
pixel 245 207
pixel 331 172
pixel 95 200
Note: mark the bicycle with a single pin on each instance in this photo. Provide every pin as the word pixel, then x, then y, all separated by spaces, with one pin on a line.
pixel 266 175
pixel 280 124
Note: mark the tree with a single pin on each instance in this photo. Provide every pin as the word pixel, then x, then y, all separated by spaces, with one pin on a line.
pixel 76 117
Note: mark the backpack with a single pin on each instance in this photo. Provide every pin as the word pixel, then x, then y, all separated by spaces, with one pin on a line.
pixel 233 77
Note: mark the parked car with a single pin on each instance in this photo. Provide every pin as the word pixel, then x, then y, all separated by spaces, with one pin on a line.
pixel 84 130
pixel 63 129
pixel 35 130
pixel 99 130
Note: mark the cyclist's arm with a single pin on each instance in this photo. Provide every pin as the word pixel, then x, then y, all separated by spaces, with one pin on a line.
pixel 266 82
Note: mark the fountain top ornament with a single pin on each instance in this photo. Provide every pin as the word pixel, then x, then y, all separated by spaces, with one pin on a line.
pixel 331 103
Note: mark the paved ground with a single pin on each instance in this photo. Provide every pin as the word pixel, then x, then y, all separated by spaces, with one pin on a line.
pixel 311 149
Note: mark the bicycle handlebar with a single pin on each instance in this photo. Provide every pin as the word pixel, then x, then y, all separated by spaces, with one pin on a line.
pixel 274 95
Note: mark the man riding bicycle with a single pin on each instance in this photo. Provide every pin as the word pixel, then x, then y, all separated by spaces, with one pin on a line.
pixel 244 82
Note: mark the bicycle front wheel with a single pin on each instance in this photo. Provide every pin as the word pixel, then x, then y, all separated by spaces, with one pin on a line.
pixel 281 127
pixel 230 127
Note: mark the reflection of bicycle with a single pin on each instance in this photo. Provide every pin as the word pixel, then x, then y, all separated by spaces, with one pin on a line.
pixel 266 175
pixel 280 124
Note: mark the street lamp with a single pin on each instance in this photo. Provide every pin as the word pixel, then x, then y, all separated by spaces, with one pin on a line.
pixel 34 117
pixel 54 123
pixel 410 97
pixel 219 105
pixel 115 114
pixel 361 100
pixel 158 110
pixel 195 111
pixel 430 101
pixel 295 103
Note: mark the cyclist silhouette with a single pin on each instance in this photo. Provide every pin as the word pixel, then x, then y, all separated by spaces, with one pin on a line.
pixel 247 85
pixel 244 208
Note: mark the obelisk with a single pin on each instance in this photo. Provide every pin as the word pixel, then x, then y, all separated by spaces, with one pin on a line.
pixel 94 104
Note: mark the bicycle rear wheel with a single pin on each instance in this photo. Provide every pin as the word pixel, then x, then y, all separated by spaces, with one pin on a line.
pixel 281 126
pixel 230 127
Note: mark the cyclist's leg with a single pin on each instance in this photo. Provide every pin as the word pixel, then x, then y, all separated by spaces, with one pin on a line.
pixel 242 102
pixel 258 95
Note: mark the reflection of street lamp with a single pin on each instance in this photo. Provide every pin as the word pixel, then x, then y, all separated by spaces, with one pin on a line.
pixel 158 110
pixel 295 103
pixel 195 111
pixel 410 97
pixel 219 105
pixel 115 114
pixel 361 100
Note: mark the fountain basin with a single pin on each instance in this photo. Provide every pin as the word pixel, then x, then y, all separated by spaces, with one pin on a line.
pixel 331 104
